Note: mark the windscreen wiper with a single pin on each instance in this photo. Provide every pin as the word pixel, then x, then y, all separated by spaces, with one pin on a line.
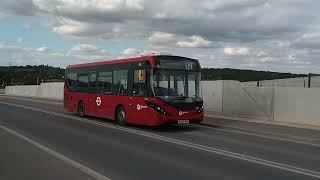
pixel 194 99
pixel 170 101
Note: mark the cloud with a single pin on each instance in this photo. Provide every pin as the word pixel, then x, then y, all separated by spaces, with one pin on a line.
pixel 42 49
pixel 262 32
pixel 262 54
pixel 238 51
pixel 22 7
pixel 245 20
pixel 19 39
pixel 194 42
pixel 161 37
pixel 3 15
pixel 301 62
pixel 308 41
pixel 71 27
pixel 129 52
pixel 87 51
pixel 89 5
pixel 17 55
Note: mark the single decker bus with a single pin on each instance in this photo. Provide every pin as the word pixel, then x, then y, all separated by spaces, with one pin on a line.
pixel 148 90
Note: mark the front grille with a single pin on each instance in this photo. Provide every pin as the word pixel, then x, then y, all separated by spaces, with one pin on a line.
pixel 186 105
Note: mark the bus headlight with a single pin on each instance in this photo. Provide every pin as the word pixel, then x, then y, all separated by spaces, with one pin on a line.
pixel 200 109
pixel 157 108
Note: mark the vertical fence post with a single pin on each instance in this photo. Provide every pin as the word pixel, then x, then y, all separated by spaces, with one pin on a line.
pixel 309 80
pixel 222 108
pixel 273 102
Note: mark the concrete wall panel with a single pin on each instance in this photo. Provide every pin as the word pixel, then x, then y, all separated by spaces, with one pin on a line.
pixel 228 98
pixel 28 91
pixel 45 90
pixel 250 102
pixel 51 90
pixel 289 82
pixel 297 105
pixel 212 96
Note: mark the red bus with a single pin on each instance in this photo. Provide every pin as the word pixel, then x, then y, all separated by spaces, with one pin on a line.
pixel 148 90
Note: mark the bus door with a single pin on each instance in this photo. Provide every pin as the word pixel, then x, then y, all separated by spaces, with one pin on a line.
pixel 69 86
pixel 139 92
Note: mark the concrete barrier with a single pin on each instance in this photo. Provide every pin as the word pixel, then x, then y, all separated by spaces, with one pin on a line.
pixel 212 96
pixel 297 105
pixel 282 104
pixel 289 82
pixel 248 102
pixel 51 90
pixel 45 90
pixel 28 90
pixel 229 98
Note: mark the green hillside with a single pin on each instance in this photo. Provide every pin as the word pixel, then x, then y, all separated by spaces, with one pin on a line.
pixel 29 75
pixel 244 75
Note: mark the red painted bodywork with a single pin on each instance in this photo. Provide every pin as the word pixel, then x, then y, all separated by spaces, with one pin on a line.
pixel 107 109
pixel 119 61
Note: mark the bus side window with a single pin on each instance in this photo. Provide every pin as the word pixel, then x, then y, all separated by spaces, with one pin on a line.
pixel 72 81
pixel 93 82
pixel 139 84
pixel 120 82
pixel 83 83
pixel 105 83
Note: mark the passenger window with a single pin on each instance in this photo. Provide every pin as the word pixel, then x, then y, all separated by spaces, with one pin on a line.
pixel 72 81
pixel 83 82
pixel 139 84
pixel 93 82
pixel 120 80
pixel 105 82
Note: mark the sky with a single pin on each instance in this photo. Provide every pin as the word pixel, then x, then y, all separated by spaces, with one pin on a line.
pixel 268 35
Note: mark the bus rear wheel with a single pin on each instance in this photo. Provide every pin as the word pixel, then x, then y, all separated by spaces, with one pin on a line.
pixel 81 110
pixel 121 116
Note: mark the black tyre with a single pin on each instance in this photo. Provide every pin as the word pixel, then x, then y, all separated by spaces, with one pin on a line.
pixel 121 116
pixel 81 110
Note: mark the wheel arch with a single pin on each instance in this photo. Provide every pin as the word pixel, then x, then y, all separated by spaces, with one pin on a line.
pixel 79 102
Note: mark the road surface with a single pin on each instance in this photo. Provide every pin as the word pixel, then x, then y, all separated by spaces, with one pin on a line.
pixel 93 148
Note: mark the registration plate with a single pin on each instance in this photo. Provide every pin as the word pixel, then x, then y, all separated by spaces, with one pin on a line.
pixel 184 121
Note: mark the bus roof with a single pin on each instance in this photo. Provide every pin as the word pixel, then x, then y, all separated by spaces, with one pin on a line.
pixel 149 58
pixel 118 61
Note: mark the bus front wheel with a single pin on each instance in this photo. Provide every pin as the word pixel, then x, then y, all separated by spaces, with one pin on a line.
pixel 121 116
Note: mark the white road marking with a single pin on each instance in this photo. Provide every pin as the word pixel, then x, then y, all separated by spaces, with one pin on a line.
pixel 73 163
pixel 226 130
pixel 32 100
pixel 271 133
pixel 259 135
pixel 251 159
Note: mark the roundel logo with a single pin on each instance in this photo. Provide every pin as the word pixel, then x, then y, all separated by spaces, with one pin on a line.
pixel 98 101
pixel 140 107
pixel 182 113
